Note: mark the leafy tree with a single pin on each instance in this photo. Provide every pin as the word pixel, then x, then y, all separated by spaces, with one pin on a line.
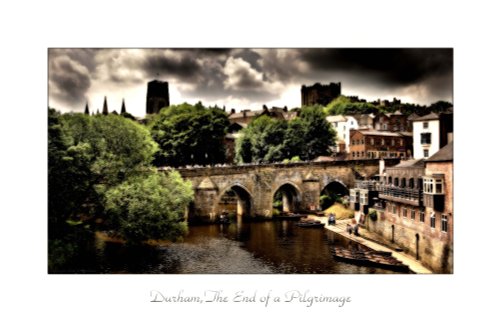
pixel 189 134
pixel 119 146
pixel 343 105
pixel 319 136
pixel 272 140
pixel 263 140
pixel 149 207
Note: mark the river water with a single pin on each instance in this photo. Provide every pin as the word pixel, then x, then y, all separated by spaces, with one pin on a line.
pixel 238 248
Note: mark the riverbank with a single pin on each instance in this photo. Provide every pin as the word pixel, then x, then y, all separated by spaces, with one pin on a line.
pixel 366 238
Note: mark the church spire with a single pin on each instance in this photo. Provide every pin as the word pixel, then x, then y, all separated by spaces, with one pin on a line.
pixel 105 107
pixel 123 111
pixel 87 108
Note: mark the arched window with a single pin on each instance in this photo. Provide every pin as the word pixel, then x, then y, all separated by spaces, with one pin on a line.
pixel 390 180
pixel 403 182
pixel 411 183
pixel 396 181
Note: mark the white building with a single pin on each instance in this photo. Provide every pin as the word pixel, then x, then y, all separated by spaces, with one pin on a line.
pixel 430 133
pixel 342 125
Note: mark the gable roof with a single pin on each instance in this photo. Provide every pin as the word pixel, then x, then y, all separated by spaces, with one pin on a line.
pixel 431 116
pixel 445 154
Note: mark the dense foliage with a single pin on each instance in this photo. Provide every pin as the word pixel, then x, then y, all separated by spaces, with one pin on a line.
pixel 271 140
pixel 189 135
pixel 343 105
pixel 149 207
pixel 92 158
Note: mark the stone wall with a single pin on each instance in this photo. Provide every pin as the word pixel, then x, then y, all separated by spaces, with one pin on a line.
pixel 257 184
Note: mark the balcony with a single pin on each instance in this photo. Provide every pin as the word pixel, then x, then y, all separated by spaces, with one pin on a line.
pixel 404 195
pixel 368 185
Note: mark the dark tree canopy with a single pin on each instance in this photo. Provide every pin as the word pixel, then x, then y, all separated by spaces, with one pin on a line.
pixel 273 140
pixel 189 135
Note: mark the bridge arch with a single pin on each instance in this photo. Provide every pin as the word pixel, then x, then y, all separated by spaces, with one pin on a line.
pixel 331 192
pixel 235 199
pixel 287 197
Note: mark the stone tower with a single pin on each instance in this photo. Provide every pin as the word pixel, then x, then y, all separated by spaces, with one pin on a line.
pixel 320 94
pixel 157 96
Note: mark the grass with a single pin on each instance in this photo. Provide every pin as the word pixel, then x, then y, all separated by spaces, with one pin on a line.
pixel 340 211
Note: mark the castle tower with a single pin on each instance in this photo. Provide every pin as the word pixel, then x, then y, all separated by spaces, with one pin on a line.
pixel 320 94
pixel 123 111
pixel 157 96
pixel 105 107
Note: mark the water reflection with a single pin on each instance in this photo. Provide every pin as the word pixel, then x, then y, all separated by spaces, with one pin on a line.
pixel 242 248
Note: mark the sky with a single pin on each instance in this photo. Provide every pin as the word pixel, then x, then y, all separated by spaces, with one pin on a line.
pixel 244 78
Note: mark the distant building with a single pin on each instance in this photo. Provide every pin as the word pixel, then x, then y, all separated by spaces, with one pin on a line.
pixel 342 125
pixel 157 96
pixel 430 133
pixel 365 121
pixel 369 143
pixel 245 116
pixel 394 122
pixel 320 94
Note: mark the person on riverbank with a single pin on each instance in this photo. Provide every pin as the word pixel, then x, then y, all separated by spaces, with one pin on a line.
pixel 349 228
pixel 331 219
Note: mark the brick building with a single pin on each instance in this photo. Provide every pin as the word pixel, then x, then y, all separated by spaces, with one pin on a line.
pixel 379 144
pixel 414 205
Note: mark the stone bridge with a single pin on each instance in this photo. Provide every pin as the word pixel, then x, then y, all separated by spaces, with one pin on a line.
pixel 254 186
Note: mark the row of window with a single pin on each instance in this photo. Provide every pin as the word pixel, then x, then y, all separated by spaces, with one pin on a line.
pixel 378 141
pixel 378 154
pixel 432 222
pixel 401 183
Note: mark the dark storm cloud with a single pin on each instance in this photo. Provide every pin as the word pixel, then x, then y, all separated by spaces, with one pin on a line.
pixel 69 79
pixel 181 65
pixel 254 75
pixel 391 66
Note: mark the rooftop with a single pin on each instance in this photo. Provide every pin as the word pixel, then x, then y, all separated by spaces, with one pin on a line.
pixel 411 163
pixel 445 154
pixel 431 116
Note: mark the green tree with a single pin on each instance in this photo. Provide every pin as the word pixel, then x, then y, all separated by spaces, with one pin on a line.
pixel 149 207
pixel 343 105
pixel 189 134
pixel 263 139
pixel 319 135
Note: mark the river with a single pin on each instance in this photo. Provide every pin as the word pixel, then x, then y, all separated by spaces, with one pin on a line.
pixel 238 248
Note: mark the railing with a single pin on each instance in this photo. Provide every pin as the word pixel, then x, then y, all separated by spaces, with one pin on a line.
pixel 369 185
pixel 400 192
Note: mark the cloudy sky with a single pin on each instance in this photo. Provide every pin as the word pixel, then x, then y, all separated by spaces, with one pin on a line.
pixel 243 78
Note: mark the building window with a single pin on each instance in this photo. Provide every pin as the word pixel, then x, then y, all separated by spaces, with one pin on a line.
pixel 425 138
pixel 362 154
pixel 396 181
pixel 426 153
pixel 372 141
pixel 382 142
pixel 403 182
pixel 404 212
pixel 394 210
pixel 392 142
pixel 390 180
pixel 433 185
pixel 353 154
pixel 433 220
pixel 444 223
pixel 426 124
pixel 412 215
pixel 422 216
pixel 384 126
pixel 401 142
pixel 411 183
